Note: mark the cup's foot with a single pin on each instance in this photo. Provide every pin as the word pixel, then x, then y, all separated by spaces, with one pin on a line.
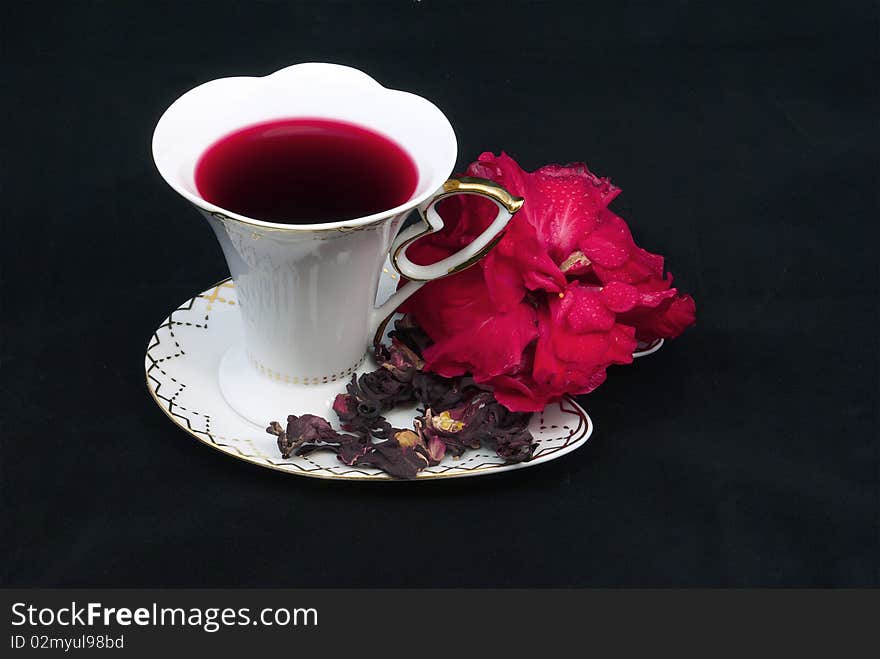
pixel 261 400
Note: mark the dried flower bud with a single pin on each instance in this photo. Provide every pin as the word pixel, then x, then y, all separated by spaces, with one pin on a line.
pixel 464 416
pixel 407 439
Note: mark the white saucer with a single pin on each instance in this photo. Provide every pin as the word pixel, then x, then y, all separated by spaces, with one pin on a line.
pixel 182 364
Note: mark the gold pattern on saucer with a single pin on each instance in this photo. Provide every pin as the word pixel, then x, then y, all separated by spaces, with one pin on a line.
pixel 171 388
pixel 215 294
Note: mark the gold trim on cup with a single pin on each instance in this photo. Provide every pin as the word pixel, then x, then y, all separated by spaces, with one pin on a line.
pixel 483 187
pixel 454 186
pixel 465 185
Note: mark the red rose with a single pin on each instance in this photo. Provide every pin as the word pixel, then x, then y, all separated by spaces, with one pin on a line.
pixel 564 294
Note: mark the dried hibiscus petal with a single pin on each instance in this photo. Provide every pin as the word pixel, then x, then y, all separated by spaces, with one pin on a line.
pixel 396 459
pixel 305 429
pixel 457 416
pixel 481 421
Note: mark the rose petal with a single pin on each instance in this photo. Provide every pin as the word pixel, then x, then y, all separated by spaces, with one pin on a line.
pixel 520 394
pixel 619 297
pixel 563 295
pixel 494 345
pixel 610 243
pixel 470 334
pixel 582 309
pixel 561 201
pixel 665 321
pixel 519 263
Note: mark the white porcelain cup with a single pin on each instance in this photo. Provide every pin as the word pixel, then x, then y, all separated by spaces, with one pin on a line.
pixel 306 291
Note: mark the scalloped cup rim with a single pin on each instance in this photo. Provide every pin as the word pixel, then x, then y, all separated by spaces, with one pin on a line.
pixel 332 75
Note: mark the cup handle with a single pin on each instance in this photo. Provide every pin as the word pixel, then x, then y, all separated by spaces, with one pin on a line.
pixel 419 275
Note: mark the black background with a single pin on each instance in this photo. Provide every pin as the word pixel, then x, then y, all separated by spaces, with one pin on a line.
pixel 745 139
